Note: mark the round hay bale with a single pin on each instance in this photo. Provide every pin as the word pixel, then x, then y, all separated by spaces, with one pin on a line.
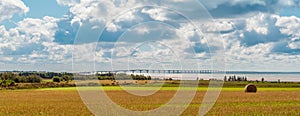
pixel 251 88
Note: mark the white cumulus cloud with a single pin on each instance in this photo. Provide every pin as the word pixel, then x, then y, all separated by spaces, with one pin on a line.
pixel 289 25
pixel 156 13
pixel 258 24
pixel 67 2
pixel 8 8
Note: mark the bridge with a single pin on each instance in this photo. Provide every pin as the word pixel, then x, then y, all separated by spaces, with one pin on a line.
pixel 187 72
pixel 164 71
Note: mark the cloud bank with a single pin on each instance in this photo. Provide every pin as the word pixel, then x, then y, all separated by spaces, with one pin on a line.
pixel 254 34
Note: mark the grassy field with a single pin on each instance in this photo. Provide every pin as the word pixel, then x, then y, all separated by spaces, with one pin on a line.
pixel 232 101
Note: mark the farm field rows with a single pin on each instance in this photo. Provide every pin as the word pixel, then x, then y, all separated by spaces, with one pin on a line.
pixel 232 101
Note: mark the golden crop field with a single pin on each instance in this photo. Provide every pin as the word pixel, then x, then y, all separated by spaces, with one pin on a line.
pixel 31 102
pixel 68 102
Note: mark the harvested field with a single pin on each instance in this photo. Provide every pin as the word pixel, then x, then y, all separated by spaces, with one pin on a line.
pixel 68 102
pixel 31 102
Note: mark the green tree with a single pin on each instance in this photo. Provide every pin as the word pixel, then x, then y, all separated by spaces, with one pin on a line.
pixel 56 79
pixel 67 78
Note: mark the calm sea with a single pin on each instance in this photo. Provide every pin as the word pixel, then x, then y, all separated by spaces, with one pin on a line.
pixel 288 77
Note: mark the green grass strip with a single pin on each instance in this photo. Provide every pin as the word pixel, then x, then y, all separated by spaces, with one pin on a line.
pixel 111 88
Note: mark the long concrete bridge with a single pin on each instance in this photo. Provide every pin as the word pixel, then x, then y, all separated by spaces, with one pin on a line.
pixel 163 71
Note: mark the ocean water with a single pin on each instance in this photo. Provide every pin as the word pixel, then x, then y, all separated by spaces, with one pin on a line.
pixel 283 77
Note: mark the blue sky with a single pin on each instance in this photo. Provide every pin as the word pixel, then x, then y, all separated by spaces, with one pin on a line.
pixel 56 35
pixel 41 8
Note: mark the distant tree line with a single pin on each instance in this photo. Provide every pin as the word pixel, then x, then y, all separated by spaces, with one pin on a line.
pixel 66 78
pixel 235 78
pixel 11 78
pixel 122 76
pixel 30 78
pixel 46 75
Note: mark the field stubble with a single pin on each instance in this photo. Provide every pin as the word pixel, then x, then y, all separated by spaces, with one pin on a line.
pixel 68 102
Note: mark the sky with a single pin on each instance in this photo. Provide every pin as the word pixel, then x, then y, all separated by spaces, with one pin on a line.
pixel 91 35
